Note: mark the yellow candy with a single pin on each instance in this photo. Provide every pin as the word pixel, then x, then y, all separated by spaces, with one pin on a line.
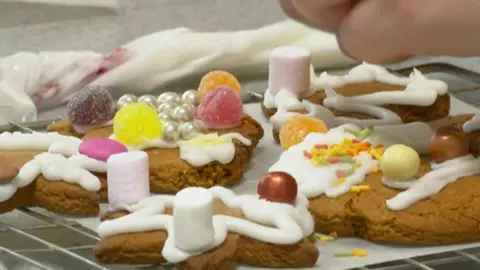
pixel 137 123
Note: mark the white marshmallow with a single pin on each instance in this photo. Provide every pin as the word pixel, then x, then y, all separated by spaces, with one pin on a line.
pixel 289 69
pixel 193 228
pixel 128 178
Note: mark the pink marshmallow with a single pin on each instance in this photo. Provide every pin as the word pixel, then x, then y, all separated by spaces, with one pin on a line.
pixel 289 69
pixel 128 179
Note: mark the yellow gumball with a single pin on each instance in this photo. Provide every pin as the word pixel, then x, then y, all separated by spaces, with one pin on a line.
pixel 137 123
pixel 400 163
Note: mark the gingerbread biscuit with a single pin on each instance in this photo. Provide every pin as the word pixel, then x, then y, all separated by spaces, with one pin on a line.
pixel 433 200
pixel 202 138
pixel 203 245
pixel 168 173
pixel 366 95
pixel 45 177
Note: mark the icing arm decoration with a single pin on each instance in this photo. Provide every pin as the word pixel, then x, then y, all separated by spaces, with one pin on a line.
pixel 338 102
pixel 472 124
pixel 434 181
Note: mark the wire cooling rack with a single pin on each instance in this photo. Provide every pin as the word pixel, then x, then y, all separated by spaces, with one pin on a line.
pixel 49 242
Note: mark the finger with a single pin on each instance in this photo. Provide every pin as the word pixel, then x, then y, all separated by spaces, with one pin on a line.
pixel 291 11
pixel 324 14
pixel 381 31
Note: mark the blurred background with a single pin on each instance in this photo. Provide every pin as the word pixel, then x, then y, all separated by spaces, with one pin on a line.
pixel 102 25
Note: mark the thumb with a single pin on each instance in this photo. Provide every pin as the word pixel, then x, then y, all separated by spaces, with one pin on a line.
pixel 381 31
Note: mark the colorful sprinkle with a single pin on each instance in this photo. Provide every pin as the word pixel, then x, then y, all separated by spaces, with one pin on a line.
pixel 359 188
pixel 324 238
pixel 352 253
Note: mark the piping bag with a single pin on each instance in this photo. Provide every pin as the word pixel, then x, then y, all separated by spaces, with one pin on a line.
pixel 35 82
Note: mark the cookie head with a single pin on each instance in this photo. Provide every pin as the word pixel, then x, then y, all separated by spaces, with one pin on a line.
pixel 279 187
pixel 295 129
pixel 400 163
pixel 447 143
pixel 220 108
pixel 137 123
pixel 92 105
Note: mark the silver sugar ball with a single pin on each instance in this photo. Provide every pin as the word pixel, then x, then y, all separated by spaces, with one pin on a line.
pixel 188 130
pixel 164 116
pixel 165 108
pixel 127 99
pixel 123 103
pixel 192 109
pixel 168 97
pixel 190 97
pixel 170 131
pixel 149 100
pixel 181 114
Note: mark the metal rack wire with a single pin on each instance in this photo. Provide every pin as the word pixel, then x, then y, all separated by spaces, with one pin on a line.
pixel 58 244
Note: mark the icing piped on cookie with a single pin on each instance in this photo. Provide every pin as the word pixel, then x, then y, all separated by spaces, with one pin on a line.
pixel 53 167
pixel 34 141
pixel 472 124
pixel 418 91
pixel 211 147
pixel 333 162
pixel 281 223
pixel 202 149
pixel 61 162
pixel 433 182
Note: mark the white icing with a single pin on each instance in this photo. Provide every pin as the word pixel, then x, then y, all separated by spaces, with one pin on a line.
pixel 202 125
pixel 434 181
pixel 53 165
pixel 315 181
pixel 200 155
pixel 398 184
pixel 83 129
pixel 34 141
pixel 419 91
pixel 154 143
pixel 472 124
pixel 265 221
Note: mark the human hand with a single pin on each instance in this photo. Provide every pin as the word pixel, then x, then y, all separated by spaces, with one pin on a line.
pixel 385 31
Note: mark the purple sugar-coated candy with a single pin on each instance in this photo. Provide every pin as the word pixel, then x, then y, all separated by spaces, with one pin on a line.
pixel 91 105
pixel 101 148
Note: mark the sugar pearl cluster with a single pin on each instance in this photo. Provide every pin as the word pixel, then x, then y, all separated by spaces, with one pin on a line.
pixel 176 112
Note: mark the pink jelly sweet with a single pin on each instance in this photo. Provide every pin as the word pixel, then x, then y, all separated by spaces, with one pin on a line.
pixel 101 148
pixel 221 108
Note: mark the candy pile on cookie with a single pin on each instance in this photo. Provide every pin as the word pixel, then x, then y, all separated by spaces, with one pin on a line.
pixel 366 95
pixel 202 228
pixel 201 138
pixel 399 183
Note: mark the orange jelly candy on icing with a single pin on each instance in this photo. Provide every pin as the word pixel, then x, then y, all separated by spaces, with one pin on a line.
pixel 295 129
pixel 217 78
